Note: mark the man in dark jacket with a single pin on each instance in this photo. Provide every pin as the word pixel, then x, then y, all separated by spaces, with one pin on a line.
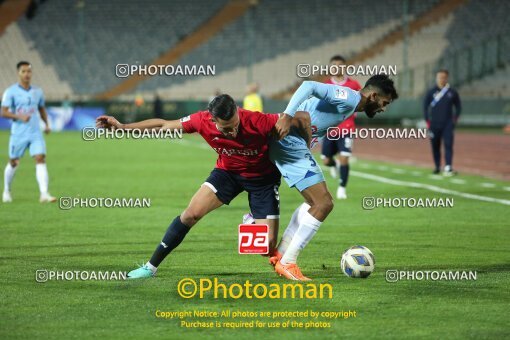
pixel 441 118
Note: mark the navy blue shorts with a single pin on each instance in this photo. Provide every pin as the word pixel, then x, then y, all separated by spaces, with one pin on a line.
pixel 263 195
pixel 331 147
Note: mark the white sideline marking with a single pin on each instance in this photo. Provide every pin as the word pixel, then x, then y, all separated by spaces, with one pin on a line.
pixel 429 187
pixel 398 171
pixel 416 173
pixel 458 181
pixel 488 185
pixel 436 177
pixel 506 188
pixel 401 183
pixel 382 167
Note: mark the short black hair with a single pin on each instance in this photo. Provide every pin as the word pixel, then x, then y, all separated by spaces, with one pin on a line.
pixel 337 57
pixel 22 63
pixel 443 70
pixel 383 84
pixel 223 107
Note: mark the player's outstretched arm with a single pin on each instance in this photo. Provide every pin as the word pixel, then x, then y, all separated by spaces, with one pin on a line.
pixel 173 125
pixel 109 122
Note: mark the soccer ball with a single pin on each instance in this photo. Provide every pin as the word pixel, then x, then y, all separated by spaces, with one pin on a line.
pixel 357 261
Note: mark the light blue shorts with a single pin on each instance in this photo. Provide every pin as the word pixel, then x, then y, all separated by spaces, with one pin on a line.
pixel 295 162
pixel 18 145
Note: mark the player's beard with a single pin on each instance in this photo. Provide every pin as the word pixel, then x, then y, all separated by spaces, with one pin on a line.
pixel 371 110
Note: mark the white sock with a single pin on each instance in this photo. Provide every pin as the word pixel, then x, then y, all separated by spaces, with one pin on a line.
pixel 292 227
pixel 8 177
pixel 41 173
pixel 307 229
pixel 151 267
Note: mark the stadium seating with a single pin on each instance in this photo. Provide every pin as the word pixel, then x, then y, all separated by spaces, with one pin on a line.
pixel 481 24
pixel 424 47
pixel 492 85
pixel 278 30
pixel 13 48
pixel 84 48
pixel 477 20
pixel 273 74
pixel 477 23
pixel 74 48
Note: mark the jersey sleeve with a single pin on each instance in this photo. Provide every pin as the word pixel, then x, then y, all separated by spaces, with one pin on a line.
pixel 344 99
pixel 192 123
pixel 8 99
pixel 266 122
pixel 307 89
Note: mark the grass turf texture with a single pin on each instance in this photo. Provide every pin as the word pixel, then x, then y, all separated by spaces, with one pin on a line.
pixel 473 235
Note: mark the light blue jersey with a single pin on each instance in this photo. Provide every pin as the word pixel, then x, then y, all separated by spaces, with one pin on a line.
pixel 22 101
pixel 25 134
pixel 328 105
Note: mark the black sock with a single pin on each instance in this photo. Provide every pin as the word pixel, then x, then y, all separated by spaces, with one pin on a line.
pixel 173 237
pixel 344 175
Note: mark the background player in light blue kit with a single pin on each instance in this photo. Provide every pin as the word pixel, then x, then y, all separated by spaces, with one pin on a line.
pixel 24 103
pixel 328 105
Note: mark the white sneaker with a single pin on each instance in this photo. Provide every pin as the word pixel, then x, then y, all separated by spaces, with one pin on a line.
pixel 6 197
pixel 333 171
pixel 341 194
pixel 47 198
pixel 448 171
pixel 248 219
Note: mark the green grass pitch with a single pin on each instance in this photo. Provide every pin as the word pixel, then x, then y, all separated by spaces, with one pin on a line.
pixel 473 235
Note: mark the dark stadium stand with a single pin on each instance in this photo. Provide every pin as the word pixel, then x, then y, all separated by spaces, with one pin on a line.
pixel 85 47
pixel 64 32
pixel 278 29
pixel 76 44
pixel 477 20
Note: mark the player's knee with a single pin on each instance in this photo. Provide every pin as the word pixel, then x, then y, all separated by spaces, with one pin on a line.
pixel 40 159
pixel 14 162
pixel 344 160
pixel 326 205
pixel 328 161
pixel 190 217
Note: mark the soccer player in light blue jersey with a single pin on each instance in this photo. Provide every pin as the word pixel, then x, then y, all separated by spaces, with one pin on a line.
pixel 328 105
pixel 24 104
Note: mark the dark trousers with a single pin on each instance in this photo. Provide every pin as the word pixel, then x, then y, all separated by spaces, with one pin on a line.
pixel 445 134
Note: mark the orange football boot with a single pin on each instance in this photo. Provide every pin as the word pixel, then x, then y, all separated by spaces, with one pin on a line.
pixel 290 271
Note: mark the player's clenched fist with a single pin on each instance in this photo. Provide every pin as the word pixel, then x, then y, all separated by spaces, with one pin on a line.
pixel 23 118
pixel 107 122
pixel 282 126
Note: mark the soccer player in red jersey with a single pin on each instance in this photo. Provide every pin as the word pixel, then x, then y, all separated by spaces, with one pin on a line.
pixel 240 137
pixel 340 143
